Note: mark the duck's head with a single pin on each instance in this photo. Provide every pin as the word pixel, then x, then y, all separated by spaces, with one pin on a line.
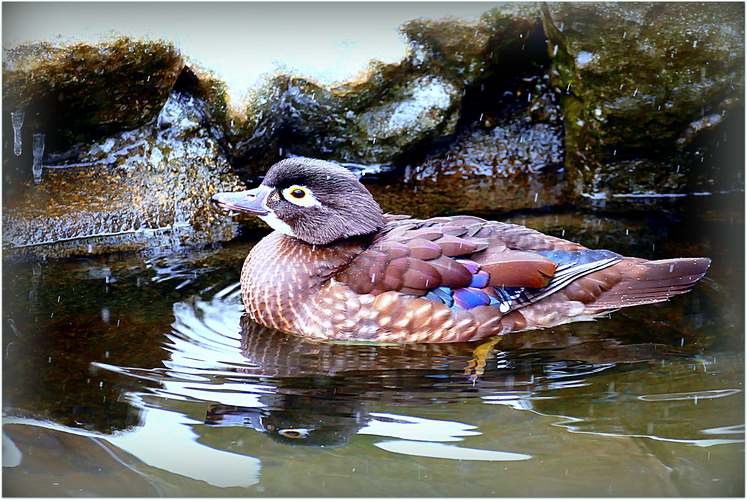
pixel 316 201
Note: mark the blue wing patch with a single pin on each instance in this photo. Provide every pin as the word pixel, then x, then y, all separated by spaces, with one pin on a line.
pixel 571 266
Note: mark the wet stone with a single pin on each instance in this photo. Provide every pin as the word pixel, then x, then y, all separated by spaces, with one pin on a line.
pixel 651 95
pixel 145 188
pixel 119 146
pixel 82 92
pixel 425 105
pixel 519 134
pixel 389 109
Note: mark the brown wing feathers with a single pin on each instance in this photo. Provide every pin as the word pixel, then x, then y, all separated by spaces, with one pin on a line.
pixel 417 256
pixel 515 268
pixel 413 257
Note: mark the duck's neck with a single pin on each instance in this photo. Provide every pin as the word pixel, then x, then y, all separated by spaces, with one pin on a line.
pixel 281 270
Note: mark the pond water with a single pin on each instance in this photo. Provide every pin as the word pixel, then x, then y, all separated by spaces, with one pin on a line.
pixel 136 375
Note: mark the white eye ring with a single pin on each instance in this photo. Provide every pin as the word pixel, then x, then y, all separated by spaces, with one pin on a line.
pixel 301 196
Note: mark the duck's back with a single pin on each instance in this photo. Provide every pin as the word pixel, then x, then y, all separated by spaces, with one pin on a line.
pixel 446 280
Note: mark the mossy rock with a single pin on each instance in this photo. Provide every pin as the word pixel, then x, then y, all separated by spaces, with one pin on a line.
pixel 640 85
pixel 389 109
pixel 143 189
pixel 78 93
pixel 89 91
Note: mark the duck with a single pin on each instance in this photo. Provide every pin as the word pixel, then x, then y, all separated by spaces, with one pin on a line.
pixel 337 268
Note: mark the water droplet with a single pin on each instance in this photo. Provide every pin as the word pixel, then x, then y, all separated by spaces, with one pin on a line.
pixel 38 152
pixel 13 327
pixel 584 57
pixel 16 117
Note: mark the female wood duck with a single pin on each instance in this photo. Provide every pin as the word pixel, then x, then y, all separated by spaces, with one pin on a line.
pixel 337 268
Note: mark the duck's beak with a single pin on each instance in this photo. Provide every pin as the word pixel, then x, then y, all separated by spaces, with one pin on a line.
pixel 252 201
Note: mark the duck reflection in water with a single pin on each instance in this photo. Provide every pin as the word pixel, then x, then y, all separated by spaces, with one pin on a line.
pixel 297 419
pixel 323 390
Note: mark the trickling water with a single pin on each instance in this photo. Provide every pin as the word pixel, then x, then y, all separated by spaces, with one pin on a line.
pixel 16 118
pixel 38 151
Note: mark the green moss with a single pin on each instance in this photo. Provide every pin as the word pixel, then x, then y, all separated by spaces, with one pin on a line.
pixel 83 92
pixel 635 81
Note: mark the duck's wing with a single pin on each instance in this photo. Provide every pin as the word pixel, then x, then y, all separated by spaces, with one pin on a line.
pixel 467 262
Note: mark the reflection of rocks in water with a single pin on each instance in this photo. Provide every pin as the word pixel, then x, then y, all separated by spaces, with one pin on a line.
pixel 60 317
pixel 322 390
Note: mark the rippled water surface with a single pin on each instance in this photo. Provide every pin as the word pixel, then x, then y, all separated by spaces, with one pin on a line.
pixel 136 375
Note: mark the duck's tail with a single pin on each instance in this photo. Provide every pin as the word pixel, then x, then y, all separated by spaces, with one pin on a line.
pixel 649 281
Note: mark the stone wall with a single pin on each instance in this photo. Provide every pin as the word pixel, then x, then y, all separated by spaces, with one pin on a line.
pixel 118 146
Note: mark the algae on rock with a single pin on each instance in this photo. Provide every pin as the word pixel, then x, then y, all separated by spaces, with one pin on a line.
pixel 618 101
pixel 132 154
pixel 139 189
pixel 389 109
pixel 639 83
pixel 83 92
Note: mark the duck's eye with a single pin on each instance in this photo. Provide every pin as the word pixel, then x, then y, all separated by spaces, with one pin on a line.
pixel 294 433
pixel 301 196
